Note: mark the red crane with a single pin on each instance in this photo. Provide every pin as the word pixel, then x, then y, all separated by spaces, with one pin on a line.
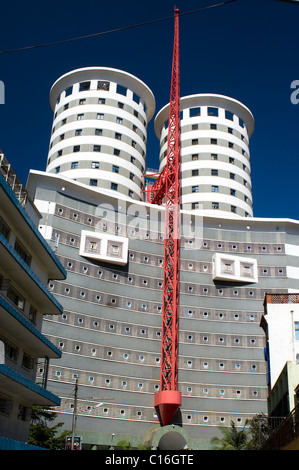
pixel 168 187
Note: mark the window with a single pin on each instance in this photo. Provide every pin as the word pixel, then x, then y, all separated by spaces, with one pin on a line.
pixel 232 176
pixel 232 192
pixel 195 189
pixel 119 120
pixel 114 186
pixel 98 132
pixel 214 141
pixel 296 325
pixel 80 117
pixel 116 152
pixel 83 86
pixel 100 116
pixel 194 112
pixel 115 168
pixel 194 141
pixel 194 172
pixel 229 115
pixel 233 209
pixel 103 85
pixel 118 135
pixel 76 148
pixel 121 90
pixel 214 156
pixel 57 169
pixel 74 165
pixel 195 156
pixel 96 148
pixel 215 189
pixel 136 98
pixel 102 101
pixel 78 132
pixel 69 91
pixel 95 165
pixel 214 172
pixel 82 101
pixel 213 126
pixel 212 111
pixel 93 182
pixel 215 205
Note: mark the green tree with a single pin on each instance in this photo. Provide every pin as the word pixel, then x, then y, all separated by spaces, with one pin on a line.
pixel 124 444
pixel 42 434
pixel 232 438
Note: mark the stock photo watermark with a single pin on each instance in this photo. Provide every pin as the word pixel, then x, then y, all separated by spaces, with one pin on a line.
pixel 295 95
pixel 143 223
pixel 2 92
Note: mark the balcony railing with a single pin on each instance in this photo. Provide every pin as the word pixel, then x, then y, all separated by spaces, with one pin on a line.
pixel 285 433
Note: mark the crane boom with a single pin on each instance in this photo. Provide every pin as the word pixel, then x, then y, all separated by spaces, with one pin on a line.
pixel 168 187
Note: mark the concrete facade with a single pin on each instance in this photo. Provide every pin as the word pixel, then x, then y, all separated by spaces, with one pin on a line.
pixel 109 332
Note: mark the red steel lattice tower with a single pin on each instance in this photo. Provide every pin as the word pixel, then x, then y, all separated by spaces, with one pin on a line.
pixel 168 187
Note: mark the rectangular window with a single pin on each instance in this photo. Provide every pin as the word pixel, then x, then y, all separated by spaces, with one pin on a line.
pixel 229 115
pixel 114 186
pixel 232 192
pixel 233 209
pixel 98 131
pixel 78 132
pixel 195 156
pixel 115 168
pixel 80 117
pixel 82 101
pixel 69 91
pixel 214 156
pixel 95 165
pixel 194 141
pixel 100 116
pixel 93 182
pixel 215 205
pixel 102 101
pixel 214 172
pixel 74 165
pixel 103 85
pixel 194 112
pixel 118 135
pixel 214 141
pixel 119 120
pixel 96 148
pixel 215 189
pixel 194 172
pixel 212 111
pixel 121 90
pixel 296 326
pixel 195 189
pixel 136 98
pixel 83 86
pixel 76 148
pixel 232 176
pixel 116 152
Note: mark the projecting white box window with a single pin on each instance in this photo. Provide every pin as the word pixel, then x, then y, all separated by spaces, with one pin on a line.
pixel 234 268
pixel 104 247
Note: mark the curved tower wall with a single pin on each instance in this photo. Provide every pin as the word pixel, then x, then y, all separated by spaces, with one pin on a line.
pixel 215 132
pixel 100 129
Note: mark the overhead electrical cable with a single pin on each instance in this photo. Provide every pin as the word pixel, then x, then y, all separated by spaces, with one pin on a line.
pixel 113 30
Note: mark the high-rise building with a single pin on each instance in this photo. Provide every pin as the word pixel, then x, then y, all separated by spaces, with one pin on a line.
pixel 111 243
pixel 27 263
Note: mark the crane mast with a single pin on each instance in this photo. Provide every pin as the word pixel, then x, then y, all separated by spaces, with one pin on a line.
pixel 168 187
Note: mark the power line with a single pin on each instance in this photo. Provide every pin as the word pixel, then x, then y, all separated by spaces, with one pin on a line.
pixel 114 30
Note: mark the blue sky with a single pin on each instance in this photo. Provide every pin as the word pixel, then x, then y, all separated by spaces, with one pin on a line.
pixel 247 50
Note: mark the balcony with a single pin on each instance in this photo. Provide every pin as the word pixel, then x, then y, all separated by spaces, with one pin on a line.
pixel 286 435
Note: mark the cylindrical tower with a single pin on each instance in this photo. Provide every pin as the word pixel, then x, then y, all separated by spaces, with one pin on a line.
pixel 215 132
pixel 100 128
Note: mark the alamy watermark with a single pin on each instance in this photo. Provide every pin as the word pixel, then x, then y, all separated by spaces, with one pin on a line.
pixel 142 222
pixel 2 92
pixel 295 95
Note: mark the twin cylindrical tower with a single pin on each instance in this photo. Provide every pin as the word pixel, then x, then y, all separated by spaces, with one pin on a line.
pixel 99 138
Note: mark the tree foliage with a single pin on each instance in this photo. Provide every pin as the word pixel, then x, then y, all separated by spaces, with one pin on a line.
pixel 232 438
pixel 42 434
